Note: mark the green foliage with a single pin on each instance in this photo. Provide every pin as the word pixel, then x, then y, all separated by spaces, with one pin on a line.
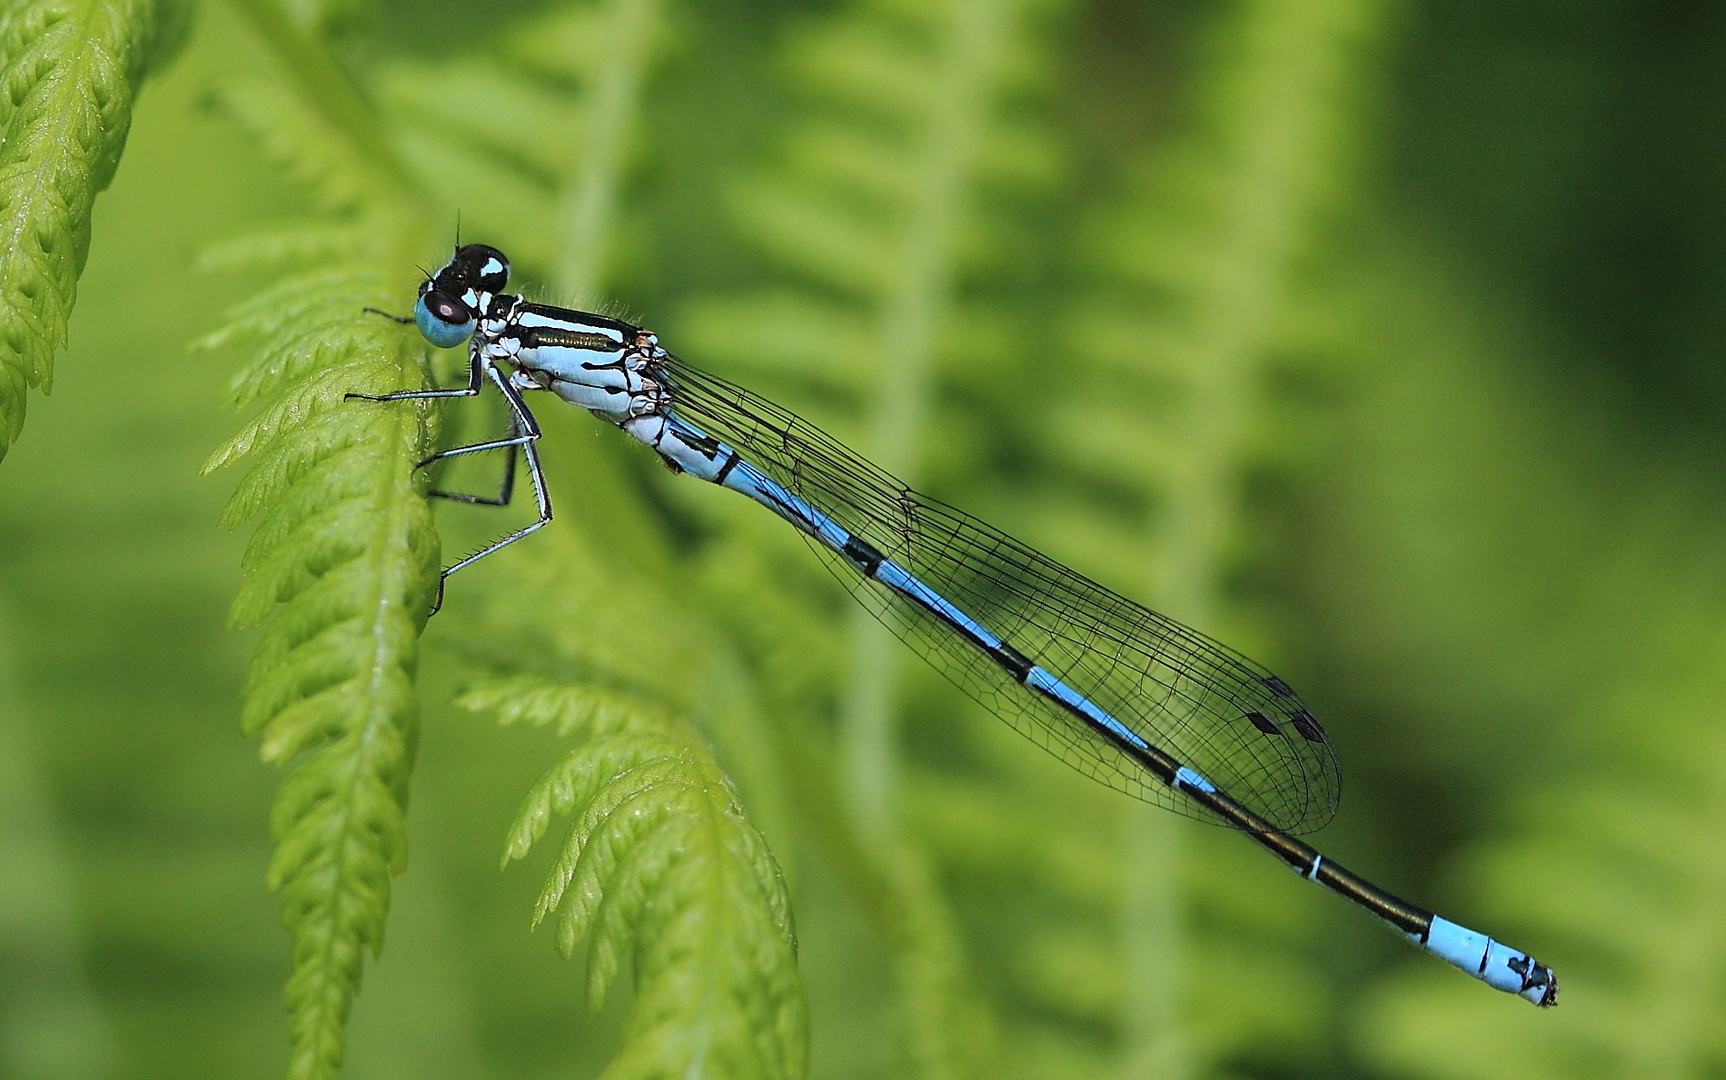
pixel 660 863
pixel 1104 274
pixel 661 855
pixel 345 547
pixel 897 188
pixel 677 869
pixel 1166 410
pixel 344 558
pixel 1605 864
pixel 544 185
pixel 69 70
pixel 913 150
pixel 1642 957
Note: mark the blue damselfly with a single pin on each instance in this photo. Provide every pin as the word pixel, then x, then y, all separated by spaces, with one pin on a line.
pixel 1127 696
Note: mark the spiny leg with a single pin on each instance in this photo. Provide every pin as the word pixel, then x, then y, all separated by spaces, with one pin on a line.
pixel 475 367
pixel 522 425
pixel 508 488
pixel 522 418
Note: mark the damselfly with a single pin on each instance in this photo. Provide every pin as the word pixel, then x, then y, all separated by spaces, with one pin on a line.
pixel 1136 700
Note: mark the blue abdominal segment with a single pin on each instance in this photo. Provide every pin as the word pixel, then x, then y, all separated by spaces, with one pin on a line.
pixel 748 480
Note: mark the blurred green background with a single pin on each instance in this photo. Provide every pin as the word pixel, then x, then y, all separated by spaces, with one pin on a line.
pixel 1378 338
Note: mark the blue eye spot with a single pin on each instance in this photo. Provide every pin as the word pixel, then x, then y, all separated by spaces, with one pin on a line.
pixel 445 322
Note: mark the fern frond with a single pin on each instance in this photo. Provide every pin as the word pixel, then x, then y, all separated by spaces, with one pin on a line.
pixel 345 555
pixel 1195 262
pixel 545 185
pixel 872 215
pixel 589 709
pixel 661 862
pixel 302 243
pixel 303 323
pixel 342 562
pixel 68 73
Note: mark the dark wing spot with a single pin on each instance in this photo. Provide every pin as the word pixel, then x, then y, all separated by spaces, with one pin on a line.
pixel 1263 723
pixel 1307 724
pixel 1277 686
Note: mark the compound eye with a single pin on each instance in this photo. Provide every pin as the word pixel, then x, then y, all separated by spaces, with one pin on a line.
pixel 444 320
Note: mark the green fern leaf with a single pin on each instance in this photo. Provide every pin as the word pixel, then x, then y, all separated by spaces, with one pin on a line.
pixel 314 155
pixel 302 243
pixel 660 863
pixel 344 556
pixel 874 215
pixel 69 70
pixel 580 707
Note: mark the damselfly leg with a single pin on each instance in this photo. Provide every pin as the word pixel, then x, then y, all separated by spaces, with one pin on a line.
pixel 523 432
pixel 506 490
pixel 523 417
pixel 475 379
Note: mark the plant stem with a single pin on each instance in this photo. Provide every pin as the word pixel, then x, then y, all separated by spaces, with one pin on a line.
pixel 587 203
pixel 911 315
pixel 1275 100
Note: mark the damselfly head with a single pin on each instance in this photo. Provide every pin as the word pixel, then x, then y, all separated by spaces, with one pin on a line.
pixel 450 300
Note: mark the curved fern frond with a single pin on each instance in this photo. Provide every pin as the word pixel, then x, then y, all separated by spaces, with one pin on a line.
pixel 660 863
pixel 69 70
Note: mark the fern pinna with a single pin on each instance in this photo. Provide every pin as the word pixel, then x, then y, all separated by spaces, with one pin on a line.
pixel 1188 272
pixel 660 863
